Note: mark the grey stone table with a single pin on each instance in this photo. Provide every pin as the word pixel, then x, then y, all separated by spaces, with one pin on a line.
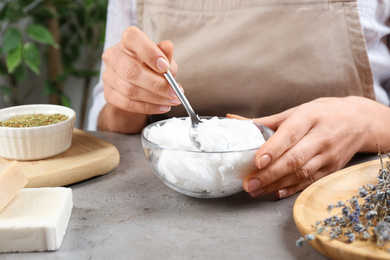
pixel 129 214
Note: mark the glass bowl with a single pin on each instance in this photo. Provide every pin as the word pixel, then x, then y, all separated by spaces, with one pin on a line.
pixel 201 174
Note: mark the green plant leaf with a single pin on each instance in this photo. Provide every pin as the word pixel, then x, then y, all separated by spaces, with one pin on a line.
pixel 64 3
pixel 24 3
pixel 41 34
pixel 50 88
pixel 62 77
pixel 65 100
pixel 6 90
pixel 11 11
pixel 85 73
pixel 3 69
pixel 13 59
pixel 12 39
pixel 20 73
pixel 88 4
pixel 3 11
pixel 102 37
pixel 32 57
pixel 42 12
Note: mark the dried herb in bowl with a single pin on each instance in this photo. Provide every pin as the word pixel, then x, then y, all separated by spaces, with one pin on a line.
pixel 33 120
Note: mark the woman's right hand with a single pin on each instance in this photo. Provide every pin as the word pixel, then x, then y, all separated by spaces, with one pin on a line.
pixel 134 84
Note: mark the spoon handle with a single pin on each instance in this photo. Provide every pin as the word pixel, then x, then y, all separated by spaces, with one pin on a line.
pixel 181 96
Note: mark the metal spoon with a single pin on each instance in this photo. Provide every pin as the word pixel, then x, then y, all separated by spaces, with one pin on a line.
pixel 195 120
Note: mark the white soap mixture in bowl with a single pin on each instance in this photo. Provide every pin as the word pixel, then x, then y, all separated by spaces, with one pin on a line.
pixel 228 149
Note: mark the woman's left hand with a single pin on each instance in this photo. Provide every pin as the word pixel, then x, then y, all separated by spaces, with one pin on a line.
pixel 315 139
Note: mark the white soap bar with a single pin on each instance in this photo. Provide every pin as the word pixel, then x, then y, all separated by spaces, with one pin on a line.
pixel 12 180
pixel 35 220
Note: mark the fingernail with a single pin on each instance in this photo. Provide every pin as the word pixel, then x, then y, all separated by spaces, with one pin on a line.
pixel 282 193
pixel 172 93
pixel 257 192
pixel 264 161
pixel 165 108
pixel 252 185
pixel 162 64
pixel 175 101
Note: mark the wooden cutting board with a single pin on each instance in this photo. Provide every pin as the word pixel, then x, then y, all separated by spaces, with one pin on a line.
pixel 87 157
pixel 311 206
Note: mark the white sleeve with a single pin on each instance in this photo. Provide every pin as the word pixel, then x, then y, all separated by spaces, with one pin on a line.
pixel 375 19
pixel 120 15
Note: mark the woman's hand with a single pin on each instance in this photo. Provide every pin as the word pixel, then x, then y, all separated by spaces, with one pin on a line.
pixel 134 85
pixel 314 140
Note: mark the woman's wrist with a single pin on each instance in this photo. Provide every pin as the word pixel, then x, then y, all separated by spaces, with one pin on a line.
pixel 115 120
pixel 374 121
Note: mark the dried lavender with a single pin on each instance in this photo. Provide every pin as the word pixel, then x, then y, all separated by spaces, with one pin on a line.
pixel 365 213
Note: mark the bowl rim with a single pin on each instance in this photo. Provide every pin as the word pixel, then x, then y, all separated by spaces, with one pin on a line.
pixel 9 109
pixel 144 139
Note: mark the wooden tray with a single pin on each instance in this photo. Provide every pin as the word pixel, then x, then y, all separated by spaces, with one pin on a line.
pixel 311 206
pixel 87 157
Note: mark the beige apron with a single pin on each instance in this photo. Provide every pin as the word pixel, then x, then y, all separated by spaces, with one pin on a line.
pixel 260 57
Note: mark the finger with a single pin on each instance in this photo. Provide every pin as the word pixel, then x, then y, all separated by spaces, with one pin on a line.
pixel 136 41
pixel 274 121
pixel 301 160
pixel 167 47
pixel 291 190
pixel 288 134
pixel 134 72
pixel 134 92
pixel 233 116
pixel 116 99
pixel 305 172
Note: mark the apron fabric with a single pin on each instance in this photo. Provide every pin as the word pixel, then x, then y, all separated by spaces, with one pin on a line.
pixel 260 57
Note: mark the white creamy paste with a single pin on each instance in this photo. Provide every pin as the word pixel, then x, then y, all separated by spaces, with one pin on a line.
pixel 210 172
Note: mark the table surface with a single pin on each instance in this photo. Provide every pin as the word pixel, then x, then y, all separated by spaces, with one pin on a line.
pixel 130 214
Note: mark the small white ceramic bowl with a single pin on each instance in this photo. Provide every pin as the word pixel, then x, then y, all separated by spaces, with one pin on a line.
pixel 34 143
pixel 169 164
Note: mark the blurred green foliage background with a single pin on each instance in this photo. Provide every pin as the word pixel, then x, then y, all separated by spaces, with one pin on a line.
pixel 53 40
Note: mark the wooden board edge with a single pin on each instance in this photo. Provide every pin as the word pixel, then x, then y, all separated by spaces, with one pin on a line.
pixel 104 166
